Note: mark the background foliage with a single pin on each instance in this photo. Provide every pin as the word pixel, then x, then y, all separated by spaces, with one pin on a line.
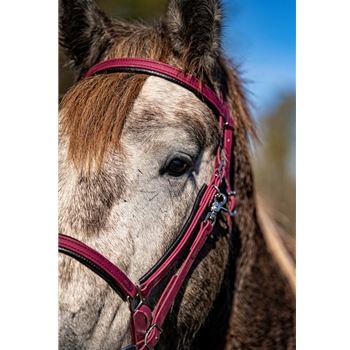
pixel 274 163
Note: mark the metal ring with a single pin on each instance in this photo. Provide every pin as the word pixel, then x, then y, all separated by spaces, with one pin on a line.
pixel 149 331
pixel 140 303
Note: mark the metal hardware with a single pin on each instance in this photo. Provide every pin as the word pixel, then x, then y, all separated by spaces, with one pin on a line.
pixel 141 301
pixel 220 199
pixel 232 193
pixel 219 195
pixel 219 171
pixel 148 332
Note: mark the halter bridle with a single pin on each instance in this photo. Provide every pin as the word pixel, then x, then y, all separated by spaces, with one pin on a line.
pixel 145 325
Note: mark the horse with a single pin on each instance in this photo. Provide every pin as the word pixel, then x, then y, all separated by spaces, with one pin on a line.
pixel 141 132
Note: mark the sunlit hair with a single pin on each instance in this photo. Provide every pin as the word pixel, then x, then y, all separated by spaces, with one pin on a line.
pixel 93 115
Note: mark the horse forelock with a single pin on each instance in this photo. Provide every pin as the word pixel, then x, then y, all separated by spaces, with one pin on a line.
pixel 93 113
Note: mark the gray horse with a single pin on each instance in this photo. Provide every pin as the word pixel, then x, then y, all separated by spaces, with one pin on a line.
pixel 134 151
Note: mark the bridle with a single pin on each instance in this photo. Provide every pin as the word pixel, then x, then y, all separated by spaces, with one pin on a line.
pixel 146 324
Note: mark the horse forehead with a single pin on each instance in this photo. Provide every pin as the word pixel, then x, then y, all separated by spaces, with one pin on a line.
pixel 172 101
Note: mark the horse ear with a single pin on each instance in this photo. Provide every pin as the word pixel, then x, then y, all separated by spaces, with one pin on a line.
pixel 85 33
pixel 194 29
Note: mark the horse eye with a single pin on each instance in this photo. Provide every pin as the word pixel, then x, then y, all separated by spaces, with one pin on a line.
pixel 177 167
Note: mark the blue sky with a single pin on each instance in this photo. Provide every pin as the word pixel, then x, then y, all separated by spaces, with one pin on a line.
pixel 261 37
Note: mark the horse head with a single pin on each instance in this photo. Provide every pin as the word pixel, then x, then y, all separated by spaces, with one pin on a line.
pixel 134 153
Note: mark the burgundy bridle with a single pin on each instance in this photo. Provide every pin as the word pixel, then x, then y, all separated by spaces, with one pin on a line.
pixel 145 324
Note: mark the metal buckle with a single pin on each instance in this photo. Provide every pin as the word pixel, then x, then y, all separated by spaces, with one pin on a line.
pixel 220 199
pixel 148 332
pixel 132 303
pixel 216 206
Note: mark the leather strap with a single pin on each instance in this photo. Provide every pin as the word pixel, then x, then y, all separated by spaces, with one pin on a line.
pixel 140 322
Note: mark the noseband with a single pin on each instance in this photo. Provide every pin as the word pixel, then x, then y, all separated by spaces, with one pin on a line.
pixel 145 324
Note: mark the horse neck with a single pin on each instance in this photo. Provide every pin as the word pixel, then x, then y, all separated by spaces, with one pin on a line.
pixel 259 280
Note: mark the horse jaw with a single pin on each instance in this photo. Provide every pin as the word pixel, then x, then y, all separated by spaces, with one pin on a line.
pixel 131 212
